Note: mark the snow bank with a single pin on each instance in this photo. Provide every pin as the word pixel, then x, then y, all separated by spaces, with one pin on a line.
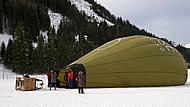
pixel 174 96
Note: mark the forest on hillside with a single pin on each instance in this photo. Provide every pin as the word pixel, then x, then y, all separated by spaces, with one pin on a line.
pixel 24 19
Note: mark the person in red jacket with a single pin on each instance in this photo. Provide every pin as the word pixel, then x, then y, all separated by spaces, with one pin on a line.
pixel 49 78
pixel 70 78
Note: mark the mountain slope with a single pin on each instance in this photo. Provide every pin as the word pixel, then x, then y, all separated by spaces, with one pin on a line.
pixel 33 15
pixel 86 7
pixel 70 28
pixel 187 46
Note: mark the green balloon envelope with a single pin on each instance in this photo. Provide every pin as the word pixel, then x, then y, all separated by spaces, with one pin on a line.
pixel 135 61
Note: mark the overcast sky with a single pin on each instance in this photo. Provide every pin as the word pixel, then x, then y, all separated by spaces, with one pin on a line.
pixel 168 19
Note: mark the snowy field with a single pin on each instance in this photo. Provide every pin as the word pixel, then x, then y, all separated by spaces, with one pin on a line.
pixel 175 96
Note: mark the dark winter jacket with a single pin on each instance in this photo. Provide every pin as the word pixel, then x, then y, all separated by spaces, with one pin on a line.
pixel 53 77
pixel 81 80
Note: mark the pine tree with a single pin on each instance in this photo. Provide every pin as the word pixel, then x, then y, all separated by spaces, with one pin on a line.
pixel 17 44
pixel 2 51
pixel 8 55
pixel 40 54
pixel 52 52
pixel 34 59
pixel 27 56
pixel 64 49
pixel 22 48
pixel 46 62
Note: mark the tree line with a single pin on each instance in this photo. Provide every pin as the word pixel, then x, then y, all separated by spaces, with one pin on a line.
pixel 52 53
pixel 24 19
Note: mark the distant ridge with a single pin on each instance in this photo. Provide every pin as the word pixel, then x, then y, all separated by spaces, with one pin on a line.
pixel 187 45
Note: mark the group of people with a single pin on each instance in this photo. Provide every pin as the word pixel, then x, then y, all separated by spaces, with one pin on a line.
pixel 52 79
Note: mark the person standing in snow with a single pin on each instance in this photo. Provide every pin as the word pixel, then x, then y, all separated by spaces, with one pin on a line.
pixel 53 80
pixel 49 78
pixel 81 82
pixel 66 79
pixel 70 78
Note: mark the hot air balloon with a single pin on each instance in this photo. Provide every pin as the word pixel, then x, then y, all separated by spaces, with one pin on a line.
pixel 135 61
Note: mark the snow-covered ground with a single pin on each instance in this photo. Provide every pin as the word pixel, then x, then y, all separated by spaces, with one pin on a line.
pixel 174 96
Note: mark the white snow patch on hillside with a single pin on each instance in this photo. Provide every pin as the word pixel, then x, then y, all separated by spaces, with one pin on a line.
pixel 55 19
pixel 5 38
pixel 86 7
pixel 44 34
pixel 187 46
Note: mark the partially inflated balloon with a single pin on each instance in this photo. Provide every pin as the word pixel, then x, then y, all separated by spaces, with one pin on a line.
pixel 134 61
